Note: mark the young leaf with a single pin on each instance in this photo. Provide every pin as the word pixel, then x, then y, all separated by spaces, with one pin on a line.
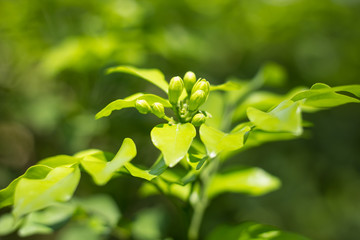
pixel 96 164
pixel 252 231
pixel 217 141
pixel 153 76
pixel 60 160
pixel 322 96
pixel 34 194
pixel 286 117
pixel 34 172
pixel 252 181
pixel 130 102
pixel 173 141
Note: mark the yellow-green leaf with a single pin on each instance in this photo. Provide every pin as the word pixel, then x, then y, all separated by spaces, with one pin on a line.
pixel 153 76
pixel 286 117
pixel 252 181
pixel 130 102
pixel 217 141
pixel 34 194
pixel 173 141
pixel 96 164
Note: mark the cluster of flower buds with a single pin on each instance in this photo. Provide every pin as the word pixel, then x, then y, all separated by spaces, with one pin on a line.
pixel 144 107
pixel 197 92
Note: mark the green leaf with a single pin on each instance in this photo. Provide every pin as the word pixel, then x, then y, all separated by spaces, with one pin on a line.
pixel 252 231
pixel 231 85
pixel 322 96
pixel 8 224
pixel 34 172
pixel 286 117
pixel 103 206
pixel 153 76
pixel 130 102
pixel 47 220
pixel 34 194
pixel 217 141
pixel 96 164
pixel 60 160
pixel 252 181
pixel 173 141
pixel 354 89
pixel 157 169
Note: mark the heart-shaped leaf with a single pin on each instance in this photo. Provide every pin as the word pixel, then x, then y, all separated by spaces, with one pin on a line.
pixel 173 141
pixel 217 141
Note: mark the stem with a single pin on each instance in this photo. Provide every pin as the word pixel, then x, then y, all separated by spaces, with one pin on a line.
pixel 203 201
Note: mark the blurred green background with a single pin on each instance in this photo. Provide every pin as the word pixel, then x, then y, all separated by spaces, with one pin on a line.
pixel 52 82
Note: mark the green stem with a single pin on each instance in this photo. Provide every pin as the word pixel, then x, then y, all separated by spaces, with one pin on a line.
pixel 203 201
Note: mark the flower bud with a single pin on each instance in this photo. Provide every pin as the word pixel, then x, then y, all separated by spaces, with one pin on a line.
pixel 201 84
pixel 198 119
pixel 176 87
pixel 142 106
pixel 189 81
pixel 196 100
pixel 158 109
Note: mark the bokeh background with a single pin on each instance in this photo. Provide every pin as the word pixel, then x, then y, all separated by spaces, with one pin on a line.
pixel 53 55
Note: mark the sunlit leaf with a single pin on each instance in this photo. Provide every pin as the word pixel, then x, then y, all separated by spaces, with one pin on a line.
pixel 252 231
pixel 252 181
pixel 217 141
pixel 60 160
pixel 286 117
pixel 173 141
pixel 97 165
pixel 230 85
pixel 157 169
pixel 322 96
pixel 153 76
pixel 130 102
pixel 34 194
pixel 34 172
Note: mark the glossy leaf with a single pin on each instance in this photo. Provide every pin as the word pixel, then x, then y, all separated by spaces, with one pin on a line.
pixel 34 172
pixel 252 181
pixel 97 165
pixel 217 141
pixel 130 102
pixel 252 231
pixel 322 96
pixel 153 76
pixel 60 160
pixel 173 141
pixel 34 194
pixel 286 117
